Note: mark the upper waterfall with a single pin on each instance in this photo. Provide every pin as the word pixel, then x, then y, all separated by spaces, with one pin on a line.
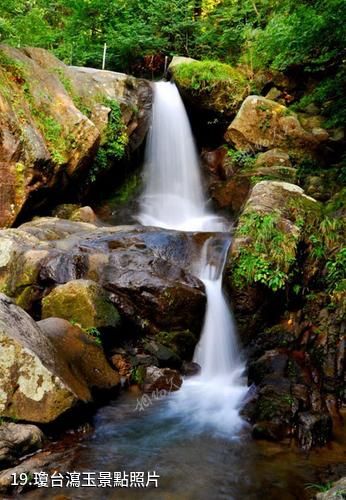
pixel 173 196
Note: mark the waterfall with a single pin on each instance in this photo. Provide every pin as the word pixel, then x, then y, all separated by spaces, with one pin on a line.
pixel 173 198
pixel 217 351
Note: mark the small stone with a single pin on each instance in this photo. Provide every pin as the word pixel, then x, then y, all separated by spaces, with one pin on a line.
pixel 162 379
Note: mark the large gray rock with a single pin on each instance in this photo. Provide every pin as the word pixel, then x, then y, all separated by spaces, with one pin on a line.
pixel 46 370
pixel 17 440
pixel 142 269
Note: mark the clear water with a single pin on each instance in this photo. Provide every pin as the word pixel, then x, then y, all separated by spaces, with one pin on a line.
pixel 192 465
pixel 173 198
pixel 193 438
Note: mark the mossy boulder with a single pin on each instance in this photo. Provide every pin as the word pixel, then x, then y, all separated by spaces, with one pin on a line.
pixel 46 370
pixel 83 302
pixel 48 141
pixel 265 247
pixel 268 232
pixel 183 342
pixel 262 124
pixel 211 85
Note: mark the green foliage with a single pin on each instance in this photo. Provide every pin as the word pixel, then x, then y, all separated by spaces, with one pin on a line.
pixel 95 334
pixel 14 67
pixel 319 487
pixel 223 86
pixel 336 271
pixel 243 159
pixel 64 79
pixel 78 101
pixel 138 375
pixel 269 254
pixel 327 248
pixel 52 132
pixel 329 96
pixel 114 141
pixel 206 75
pixel 128 189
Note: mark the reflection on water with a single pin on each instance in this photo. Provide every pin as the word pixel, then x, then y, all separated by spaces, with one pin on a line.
pixel 191 465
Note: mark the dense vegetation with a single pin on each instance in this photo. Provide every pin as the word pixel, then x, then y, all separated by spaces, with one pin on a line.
pixel 307 36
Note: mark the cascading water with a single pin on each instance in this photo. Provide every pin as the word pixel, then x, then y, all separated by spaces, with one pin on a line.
pixel 173 198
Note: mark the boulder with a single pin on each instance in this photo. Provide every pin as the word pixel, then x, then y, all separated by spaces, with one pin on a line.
pixel 314 429
pixel 164 355
pixel 176 60
pixel 83 302
pixel 48 462
pixel 211 86
pixel 273 158
pixel 265 248
pixel 231 194
pixel 47 141
pixel 262 124
pixel 140 268
pixel 84 214
pixel 336 491
pixel 17 440
pixel 162 379
pixel 46 369
pixel 133 94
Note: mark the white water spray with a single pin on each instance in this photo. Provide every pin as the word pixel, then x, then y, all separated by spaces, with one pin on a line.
pixel 173 198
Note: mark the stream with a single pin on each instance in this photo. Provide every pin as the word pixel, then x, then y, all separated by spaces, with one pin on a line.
pixel 192 465
pixel 194 438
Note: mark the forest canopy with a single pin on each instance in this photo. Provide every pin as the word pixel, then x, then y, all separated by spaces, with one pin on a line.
pixel 306 37
pixel 275 33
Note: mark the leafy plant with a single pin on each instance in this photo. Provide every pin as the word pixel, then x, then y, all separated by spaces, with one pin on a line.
pixel 336 271
pixel 113 143
pixel 95 334
pixel 244 159
pixel 269 254
pixel 319 487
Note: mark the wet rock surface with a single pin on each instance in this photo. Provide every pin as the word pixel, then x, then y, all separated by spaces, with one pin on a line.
pixel 161 379
pixel 140 270
pixel 17 440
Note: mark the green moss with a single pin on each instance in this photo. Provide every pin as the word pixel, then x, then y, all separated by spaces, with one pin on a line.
pixel 207 74
pixel 83 302
pixel 113 142
pixel 78 101
pixel 15 68
pixel 50 128
pixel 222 86
pixel 269 254
pixel 128 189
pixel 181 343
